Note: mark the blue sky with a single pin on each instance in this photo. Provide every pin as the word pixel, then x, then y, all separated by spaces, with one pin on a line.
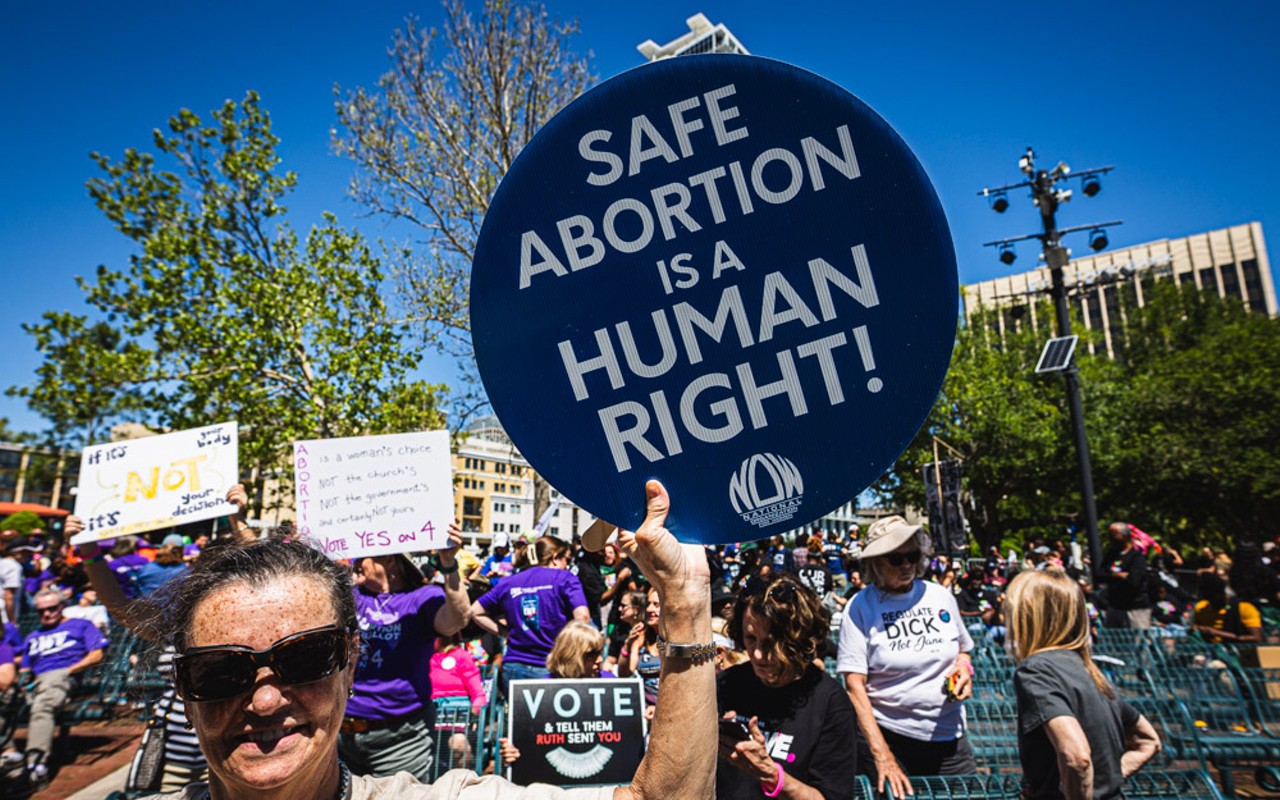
pixel 1181 97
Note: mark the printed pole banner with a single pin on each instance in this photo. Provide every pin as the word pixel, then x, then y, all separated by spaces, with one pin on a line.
pixel 156 482
pixel 374 495
pixel 582 732
pixel 723 272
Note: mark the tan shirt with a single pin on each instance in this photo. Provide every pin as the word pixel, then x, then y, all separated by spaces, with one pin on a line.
pixel 458 784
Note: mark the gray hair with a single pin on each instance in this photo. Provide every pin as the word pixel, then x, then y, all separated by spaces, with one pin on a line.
pixel 256 564
pixel 872 567
pixel 49 591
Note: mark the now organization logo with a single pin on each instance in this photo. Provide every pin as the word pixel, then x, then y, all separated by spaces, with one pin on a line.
pixel 766 489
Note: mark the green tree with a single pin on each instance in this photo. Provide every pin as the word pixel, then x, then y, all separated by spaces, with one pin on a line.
pixel 224 312
pixel 1011 429
pixel 439 131
pixel 434 138
pixel 70 390
pixel 8 434
pixel 24 522
pixel 1191 418
pixel 1181 425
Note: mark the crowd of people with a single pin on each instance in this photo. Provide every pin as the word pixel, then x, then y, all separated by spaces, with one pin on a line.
pixel 832 655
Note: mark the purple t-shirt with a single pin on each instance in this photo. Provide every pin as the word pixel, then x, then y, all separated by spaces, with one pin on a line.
pixel 397 638
pixel 12 636
pixel 124 567
pixel 537 603
pixel 61 646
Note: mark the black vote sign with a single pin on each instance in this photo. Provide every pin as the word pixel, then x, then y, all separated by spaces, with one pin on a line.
pixel 580 732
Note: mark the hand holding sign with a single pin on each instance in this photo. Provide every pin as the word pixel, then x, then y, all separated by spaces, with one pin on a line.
pixel 678 571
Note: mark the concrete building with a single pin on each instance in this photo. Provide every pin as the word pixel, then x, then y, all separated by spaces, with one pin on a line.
pixel 38 475
pixel 703 37
pixel 493 489
pixel 1231 262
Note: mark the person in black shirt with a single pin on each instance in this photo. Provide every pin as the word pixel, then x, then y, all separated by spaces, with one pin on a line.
pixel 1075 739
pixel 1128 604
pixel 798 738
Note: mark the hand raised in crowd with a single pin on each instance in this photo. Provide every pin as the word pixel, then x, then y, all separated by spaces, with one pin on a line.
pixel 750 755
pixel 238 497
pixel 449 552
pixel 678 571
pixel 85 550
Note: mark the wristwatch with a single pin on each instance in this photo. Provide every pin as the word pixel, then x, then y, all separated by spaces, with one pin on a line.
pixel 443 570
pixel 693 652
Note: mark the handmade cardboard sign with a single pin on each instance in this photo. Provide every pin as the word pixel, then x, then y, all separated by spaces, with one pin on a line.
pixel 374 495
pixel 156 482
pixel 723 272
pixel 576 732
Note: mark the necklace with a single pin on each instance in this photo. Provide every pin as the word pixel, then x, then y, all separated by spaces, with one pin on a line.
pixel 344 787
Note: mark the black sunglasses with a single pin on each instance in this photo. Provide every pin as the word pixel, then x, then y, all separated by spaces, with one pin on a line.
pixel 909 557
pixel 782 592
pixel 224 671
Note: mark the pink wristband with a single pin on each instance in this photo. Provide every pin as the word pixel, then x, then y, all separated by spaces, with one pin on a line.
pixel 777 787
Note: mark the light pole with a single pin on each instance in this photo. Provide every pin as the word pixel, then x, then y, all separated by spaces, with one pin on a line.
pixel 1047 197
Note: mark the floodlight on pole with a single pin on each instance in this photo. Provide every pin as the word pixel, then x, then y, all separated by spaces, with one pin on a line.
pixel 1047 198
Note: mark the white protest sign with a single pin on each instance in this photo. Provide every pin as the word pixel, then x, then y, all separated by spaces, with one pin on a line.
pixel 156 482
pixel 375 495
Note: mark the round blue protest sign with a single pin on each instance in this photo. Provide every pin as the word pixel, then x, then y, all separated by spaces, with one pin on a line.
pixel 722 272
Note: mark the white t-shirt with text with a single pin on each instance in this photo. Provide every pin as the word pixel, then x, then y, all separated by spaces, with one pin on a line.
pixel 906 644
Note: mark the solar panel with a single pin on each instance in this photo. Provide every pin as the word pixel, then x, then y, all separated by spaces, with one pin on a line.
pixel 1057 353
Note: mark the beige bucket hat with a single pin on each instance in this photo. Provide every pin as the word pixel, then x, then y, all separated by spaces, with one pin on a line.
pixel 886 535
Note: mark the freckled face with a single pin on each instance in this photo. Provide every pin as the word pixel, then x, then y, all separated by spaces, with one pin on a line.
pixel 273 735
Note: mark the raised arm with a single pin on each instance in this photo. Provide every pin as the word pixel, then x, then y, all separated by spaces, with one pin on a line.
pixel 453 615
pixel 133 614
pixel 681 759
pixel 482 619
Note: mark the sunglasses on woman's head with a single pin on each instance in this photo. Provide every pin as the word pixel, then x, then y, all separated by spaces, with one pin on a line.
pixel 225 671
pixel 782 592
pixel 909 557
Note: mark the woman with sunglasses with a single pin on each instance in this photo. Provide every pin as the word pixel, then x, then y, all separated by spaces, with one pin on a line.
pixel 787 728
pixel 182 761
pixel 266 638
pixel 904 655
